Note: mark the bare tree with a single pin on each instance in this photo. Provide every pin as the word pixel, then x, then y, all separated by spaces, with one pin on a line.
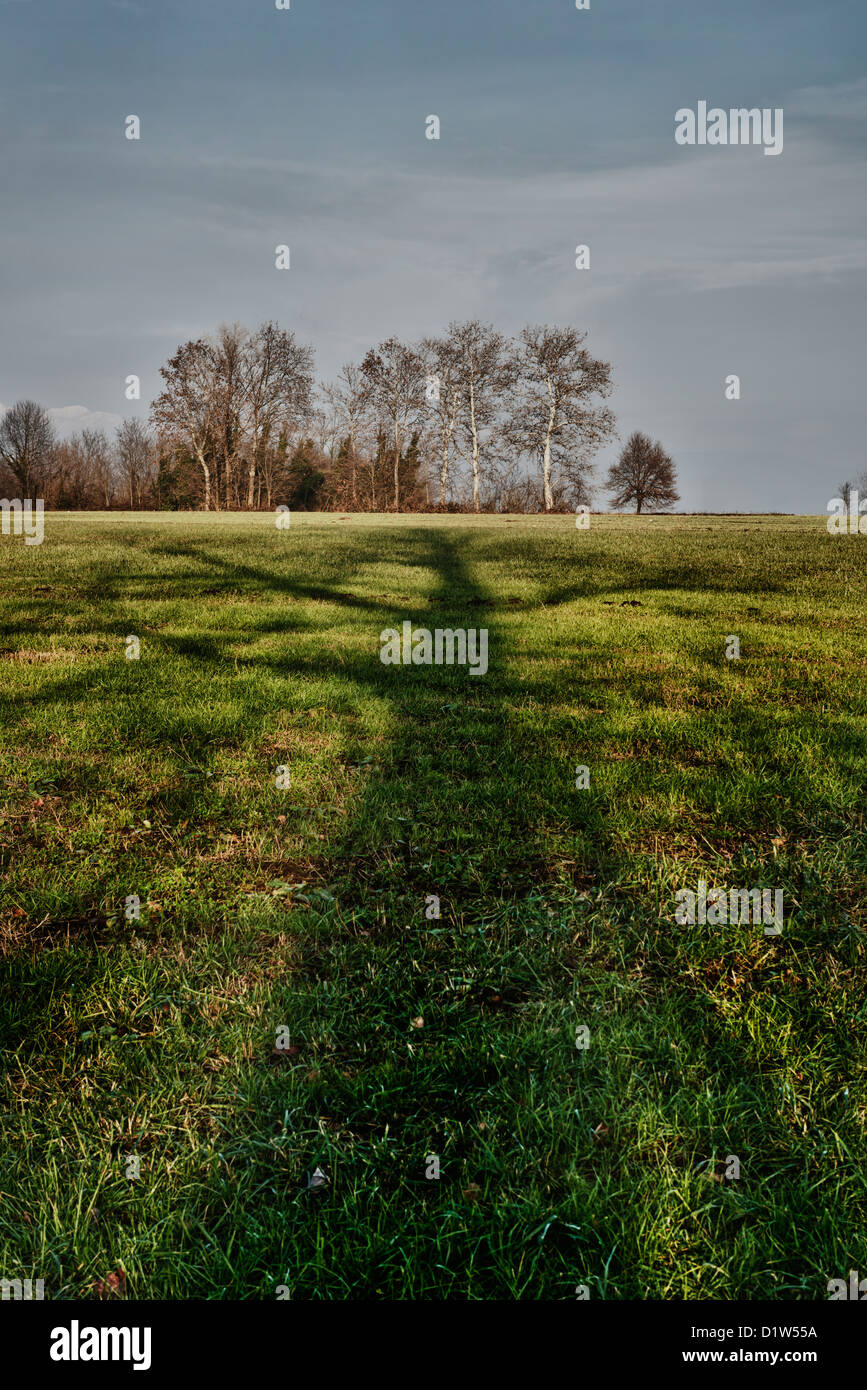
pixel 277 400
pixel 395 376
pixel 72 485
pixel 851 485
pixel 135 458
pixel 443 390
pixel 349 399
pixel 99 464
pixel 229 355
pixel 557 419
pixel 643 474
pixel 26 446
pixel 323 432
pixel 484 373
pixel 186 413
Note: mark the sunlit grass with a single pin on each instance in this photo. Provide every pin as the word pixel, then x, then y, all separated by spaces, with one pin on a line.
pixel 305 909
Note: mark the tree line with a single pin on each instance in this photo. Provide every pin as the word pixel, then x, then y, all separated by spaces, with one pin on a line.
pixel 470 420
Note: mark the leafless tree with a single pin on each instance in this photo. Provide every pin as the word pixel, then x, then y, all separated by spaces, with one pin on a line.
pixel 349 399
pixel 276 400
pixel 557 418
pixel 395 376
pixel 643 474
pixel 229 350
pixel 859 485
pixel 72 484
pixel 186 413
pixel 26 447
pixel 443 388
pixel 135 459
pixel 484 374
pixel 322 429
pixel 243 397
pixel 99 464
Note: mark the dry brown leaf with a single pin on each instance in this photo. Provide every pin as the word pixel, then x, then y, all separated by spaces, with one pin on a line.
pixel 113 1286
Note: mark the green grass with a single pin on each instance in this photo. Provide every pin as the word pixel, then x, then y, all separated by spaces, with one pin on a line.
pixel 304 909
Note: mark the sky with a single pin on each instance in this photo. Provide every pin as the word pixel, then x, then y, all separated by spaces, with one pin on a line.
pixel 307 127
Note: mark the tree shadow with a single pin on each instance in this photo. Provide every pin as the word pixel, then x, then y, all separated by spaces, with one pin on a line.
pixel 456 804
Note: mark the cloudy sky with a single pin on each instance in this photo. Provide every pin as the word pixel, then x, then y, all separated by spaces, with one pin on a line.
pixel 307 127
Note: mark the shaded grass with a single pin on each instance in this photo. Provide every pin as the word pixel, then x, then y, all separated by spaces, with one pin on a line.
pixel 304 910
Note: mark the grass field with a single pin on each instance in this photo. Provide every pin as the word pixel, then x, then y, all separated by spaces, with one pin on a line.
pixel 299 915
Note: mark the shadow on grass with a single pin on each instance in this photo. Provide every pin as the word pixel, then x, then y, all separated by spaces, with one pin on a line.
pixel 449 1034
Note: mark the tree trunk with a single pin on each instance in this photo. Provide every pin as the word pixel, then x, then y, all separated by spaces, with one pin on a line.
pixel 396 468
pixel 447 430
pixel 546 466
pixel 251 480
pixel 207 474
pixel 475 447
pixel 546 463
